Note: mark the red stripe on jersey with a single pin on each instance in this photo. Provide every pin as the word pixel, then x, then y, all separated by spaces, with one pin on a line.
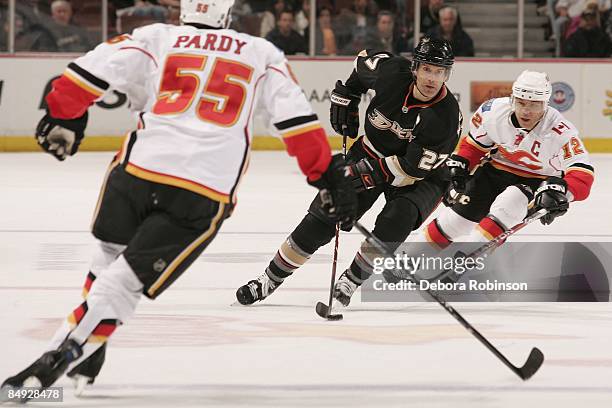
pixel 312 151
pixel 579 183
pixel 368 150
pixel 470 152
pixel 386 172
pixel 490 228
pixel 436 235
pixel 67 100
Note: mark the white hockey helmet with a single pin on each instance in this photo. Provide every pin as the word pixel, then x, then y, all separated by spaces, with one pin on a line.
pixel 532 86
pixel 212 13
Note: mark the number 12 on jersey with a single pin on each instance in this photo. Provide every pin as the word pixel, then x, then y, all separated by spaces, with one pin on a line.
pixel 222 96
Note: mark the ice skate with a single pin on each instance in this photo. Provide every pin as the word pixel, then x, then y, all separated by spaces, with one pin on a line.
pixel 256 290
pixel 43 372
pixel 86 372
pixel 344 289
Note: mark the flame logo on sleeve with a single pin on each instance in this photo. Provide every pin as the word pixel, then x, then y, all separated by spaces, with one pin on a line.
pixel 522 158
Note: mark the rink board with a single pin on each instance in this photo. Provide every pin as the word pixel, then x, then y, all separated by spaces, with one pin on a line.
pixel 581 89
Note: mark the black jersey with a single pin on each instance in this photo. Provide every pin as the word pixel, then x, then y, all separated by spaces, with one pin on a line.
pixel 414 137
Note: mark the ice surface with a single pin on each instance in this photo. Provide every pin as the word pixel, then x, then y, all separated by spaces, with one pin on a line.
pixel 191 348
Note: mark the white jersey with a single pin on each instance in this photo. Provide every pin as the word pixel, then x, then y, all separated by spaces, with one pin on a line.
pixel 195 91
pixel 550 149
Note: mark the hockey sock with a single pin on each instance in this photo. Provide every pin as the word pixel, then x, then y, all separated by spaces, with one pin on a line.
pixel 362 266
pixel 111 302
pixel 104 255
pixel 436 236
pixel 488 228
pixel 288 258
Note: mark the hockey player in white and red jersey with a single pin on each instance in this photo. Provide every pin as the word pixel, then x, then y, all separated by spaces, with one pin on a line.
pixel 534 155
pixel 175 179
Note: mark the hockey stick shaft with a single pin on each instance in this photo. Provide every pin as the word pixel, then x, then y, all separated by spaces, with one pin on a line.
pixel 336 243
pixel 523 372
pixel 333 273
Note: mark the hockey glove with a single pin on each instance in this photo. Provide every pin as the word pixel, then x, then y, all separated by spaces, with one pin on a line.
pixel 459 171
pixel 551 195
pixel 365 175
pixel 60 137
pixel 344 111
pixel 337 194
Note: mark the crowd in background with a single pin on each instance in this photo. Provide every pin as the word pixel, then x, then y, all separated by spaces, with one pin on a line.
pixel 580 28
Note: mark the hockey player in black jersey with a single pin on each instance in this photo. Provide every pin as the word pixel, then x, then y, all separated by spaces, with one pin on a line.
pixel 412 125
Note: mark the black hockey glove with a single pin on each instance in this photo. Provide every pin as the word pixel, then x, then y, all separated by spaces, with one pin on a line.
pixel 344 111
pixel 337 194
pixel 459 172
pixel 551 195
pixel 365 175
pixel 60 137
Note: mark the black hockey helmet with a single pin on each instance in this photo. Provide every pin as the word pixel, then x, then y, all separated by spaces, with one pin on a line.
pixel 433 51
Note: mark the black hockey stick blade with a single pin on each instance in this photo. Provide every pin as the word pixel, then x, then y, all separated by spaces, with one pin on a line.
pixel 532 365
pixel 323 310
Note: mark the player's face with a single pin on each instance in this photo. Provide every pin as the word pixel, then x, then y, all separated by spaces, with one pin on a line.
pixel 429 79
pixel 527 112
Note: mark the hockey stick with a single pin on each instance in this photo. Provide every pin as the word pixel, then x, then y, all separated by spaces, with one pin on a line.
pixel 322 309
pixel 535 359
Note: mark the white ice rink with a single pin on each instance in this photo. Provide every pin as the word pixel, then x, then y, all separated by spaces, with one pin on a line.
pixel 191 348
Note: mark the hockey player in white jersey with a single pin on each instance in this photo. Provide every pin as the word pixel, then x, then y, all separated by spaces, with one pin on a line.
pixel 175 179
pixel 535 156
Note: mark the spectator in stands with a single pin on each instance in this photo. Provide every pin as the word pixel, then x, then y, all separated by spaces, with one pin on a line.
pixel 449 30
pixel 285 37
pixel 170 3
pixel 589 40
pixel 61 12
pixel 68 37
pixel 29 34
pixel 352 25
pixel 382 36
pixel 429 15
pixel 240 9
pixel 325 39
pixel 568 10
pixel 607 26
pixel 599 6
pixel 139 8
pixel 327 43
pixel 271 16
pixel 302 18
